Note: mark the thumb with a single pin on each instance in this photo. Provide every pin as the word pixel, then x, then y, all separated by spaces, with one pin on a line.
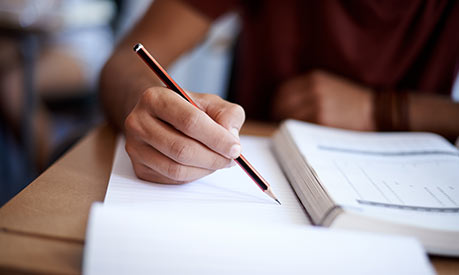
pixel 229 115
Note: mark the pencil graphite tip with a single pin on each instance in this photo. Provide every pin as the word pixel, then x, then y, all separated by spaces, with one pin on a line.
pixel 270 193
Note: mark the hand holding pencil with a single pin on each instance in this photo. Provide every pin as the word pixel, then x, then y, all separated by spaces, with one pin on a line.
pixel 235 149
pixel 171 141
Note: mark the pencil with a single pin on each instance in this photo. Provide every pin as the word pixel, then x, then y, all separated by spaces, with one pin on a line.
pixel 170 83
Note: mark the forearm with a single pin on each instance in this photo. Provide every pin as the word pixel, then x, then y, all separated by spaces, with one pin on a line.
pixel 121 85
pixel 124 77
pixel 433 113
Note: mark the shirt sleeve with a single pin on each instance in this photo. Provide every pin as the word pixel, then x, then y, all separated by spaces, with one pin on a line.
pixel 212 8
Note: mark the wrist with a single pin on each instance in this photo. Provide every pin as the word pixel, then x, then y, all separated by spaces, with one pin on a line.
pixel 368 110
pixel 390 110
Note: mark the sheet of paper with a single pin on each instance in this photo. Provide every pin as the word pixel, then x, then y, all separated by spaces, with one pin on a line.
pixel 128 239
pixel 227 188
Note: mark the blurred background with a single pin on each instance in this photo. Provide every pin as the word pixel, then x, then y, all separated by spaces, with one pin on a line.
pixel 51 53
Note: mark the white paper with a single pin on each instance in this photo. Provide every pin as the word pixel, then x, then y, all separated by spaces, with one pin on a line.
pixel 125 239
pixel 223 224
pixel 225 188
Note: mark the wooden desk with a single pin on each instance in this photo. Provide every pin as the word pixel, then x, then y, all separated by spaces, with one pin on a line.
pixel 42 229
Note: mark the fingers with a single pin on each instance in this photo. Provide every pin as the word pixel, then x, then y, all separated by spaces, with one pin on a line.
pixel 192 122
pixel 287 101
pixel 305 113
pixel 231 116
pixel 294 100
pixel 178 147
pixel 171 141
pixel 153 166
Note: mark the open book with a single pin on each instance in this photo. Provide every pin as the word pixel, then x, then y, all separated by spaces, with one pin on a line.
pixel 224 224
pixel 401 183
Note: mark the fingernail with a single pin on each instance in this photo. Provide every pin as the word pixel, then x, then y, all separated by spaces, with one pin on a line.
pixel 231 164
pixel 235 132
pixel 235 151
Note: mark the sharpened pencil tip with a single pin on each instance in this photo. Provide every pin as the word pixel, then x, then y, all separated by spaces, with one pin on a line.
pixel 270 193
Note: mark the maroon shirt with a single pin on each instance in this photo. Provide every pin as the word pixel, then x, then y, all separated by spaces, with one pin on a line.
pixel 399 45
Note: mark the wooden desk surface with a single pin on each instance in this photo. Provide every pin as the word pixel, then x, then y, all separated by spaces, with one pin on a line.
pixel 42 229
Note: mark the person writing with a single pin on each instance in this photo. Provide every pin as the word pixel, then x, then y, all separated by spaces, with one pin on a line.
pixel 365 65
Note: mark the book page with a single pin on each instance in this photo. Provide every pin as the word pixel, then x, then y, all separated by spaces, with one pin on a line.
pixel 416 172
pixel 226 188
pixel 148 240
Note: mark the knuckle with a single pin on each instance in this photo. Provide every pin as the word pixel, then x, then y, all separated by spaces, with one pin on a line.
pixel 181 152
pixel 233 115
pixel 128 122
pixel 220 115
pixel 145 173
pixel 155 98
pixel 141 172
pixel 129 149
pixel 218 162
pixel 176 172
pixel 190 121
pixel 131 124
pixel 149 96
pixel 238 111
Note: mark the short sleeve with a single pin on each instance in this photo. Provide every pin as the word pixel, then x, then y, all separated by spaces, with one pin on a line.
pixel 212 8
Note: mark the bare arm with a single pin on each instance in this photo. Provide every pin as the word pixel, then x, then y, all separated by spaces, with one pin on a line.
pixel 168 29
pixel 434 113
